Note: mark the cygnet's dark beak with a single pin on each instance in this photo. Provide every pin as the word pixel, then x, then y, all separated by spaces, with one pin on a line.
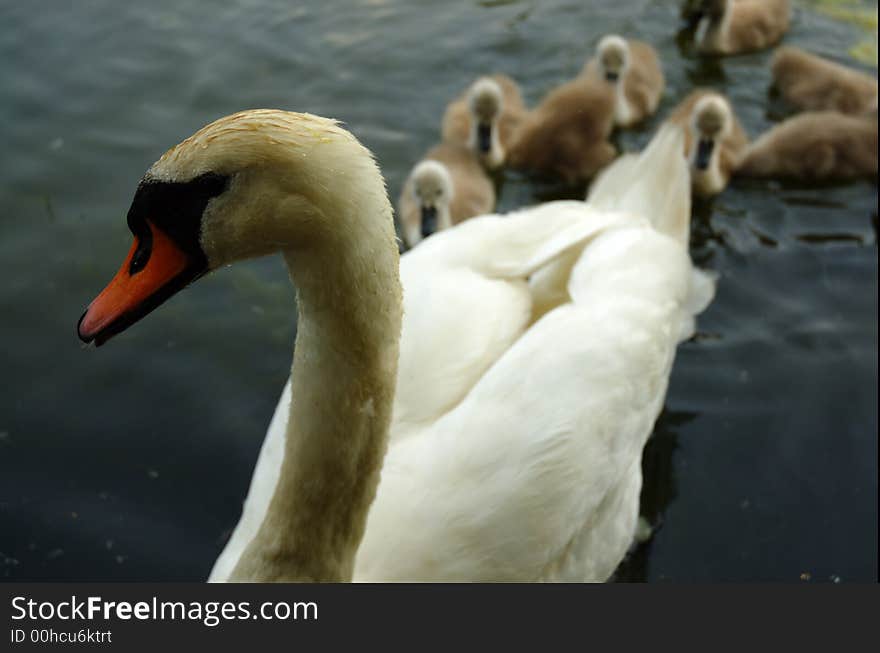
pixel 484 138
pixel 429 220
pixel 704 153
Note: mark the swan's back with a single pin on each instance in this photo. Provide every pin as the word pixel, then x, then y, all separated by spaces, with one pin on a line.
pixel 536 474
pixel 467 300
pixel 439 360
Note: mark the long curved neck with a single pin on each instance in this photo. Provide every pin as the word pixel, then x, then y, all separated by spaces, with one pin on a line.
pixel 343 378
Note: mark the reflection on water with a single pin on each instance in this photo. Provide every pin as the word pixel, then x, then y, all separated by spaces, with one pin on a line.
pixel 131 462
pixel 658 491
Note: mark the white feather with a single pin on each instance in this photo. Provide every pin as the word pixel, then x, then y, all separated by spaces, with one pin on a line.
pixel 516 449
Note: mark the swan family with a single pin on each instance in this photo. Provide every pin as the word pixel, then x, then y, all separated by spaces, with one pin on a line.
pixel 476 408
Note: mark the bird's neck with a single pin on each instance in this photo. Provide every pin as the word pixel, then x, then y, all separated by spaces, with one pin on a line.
pixel 343 378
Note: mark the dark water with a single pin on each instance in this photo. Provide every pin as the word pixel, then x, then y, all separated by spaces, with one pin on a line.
pixel 131 462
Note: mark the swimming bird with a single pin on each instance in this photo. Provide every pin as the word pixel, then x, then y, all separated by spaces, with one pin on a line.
pixel 485 117
pixel 512 480
pixel 811 83
pixel 475 453
pixel 633 69
pixel 739 26
pixel 566 135
pixel 715 141
pixel 815 146
pixel 446 187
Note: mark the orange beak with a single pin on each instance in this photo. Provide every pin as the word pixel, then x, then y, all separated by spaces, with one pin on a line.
pixel 137 288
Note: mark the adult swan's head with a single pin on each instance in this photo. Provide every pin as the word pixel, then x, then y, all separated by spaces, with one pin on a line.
pixel 256 183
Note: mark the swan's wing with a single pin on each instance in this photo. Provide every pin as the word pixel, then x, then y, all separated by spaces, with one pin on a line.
pixel 466 301
pixel 535 475
pixel 457 323
pixel 514 245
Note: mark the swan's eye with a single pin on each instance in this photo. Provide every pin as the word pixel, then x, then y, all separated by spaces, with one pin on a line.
pixel 176 208
pixel 141 255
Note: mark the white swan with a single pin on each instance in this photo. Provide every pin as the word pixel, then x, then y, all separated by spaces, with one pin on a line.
pixel 515 452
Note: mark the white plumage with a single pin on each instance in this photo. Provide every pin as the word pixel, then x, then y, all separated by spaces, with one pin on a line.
pixel 515 449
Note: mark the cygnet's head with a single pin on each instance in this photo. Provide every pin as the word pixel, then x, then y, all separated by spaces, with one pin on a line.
pixel 710 122
pixel 485 100
pixel 613 53
pixel 433 190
